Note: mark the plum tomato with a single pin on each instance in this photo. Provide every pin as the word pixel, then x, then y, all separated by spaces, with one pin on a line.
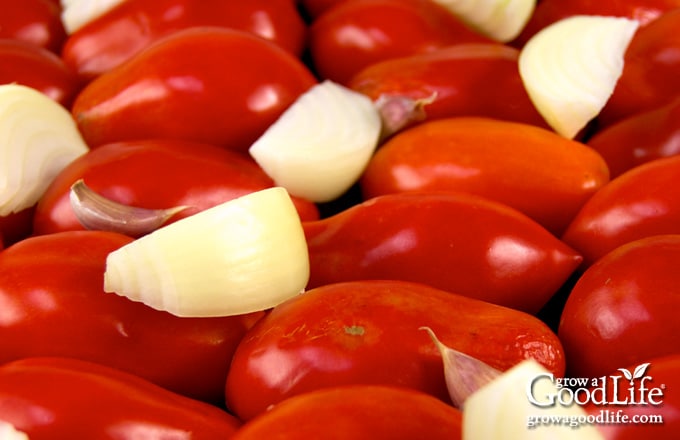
pixel 52 303
pixel 49 398
pixel 370 332
pixel 454 241
pixel 190 174
pixel 639 138
pixel 355 34
pixel 37 22
pixel 622 309
pixel 205 84
pixel 133 25
pixel 639 203
pixel 467 79
pixel 534 170
pixel 650 70
pixel 356 412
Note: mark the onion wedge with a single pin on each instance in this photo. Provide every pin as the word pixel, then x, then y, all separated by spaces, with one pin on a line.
pixel 245 255
pixel 322 143
pixel 571 67
pixel 38 138
pixel 500 20
pixel 77 13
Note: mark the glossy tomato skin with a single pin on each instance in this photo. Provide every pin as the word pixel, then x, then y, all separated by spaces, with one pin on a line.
pixel 190 174
pixel 469 79
pixel 51 288
pixel 207 84
pixel 134 24
pixel 639 138
pixel 48 398
pixel 357 412
pixel 543 175
pixel 36 67
pixel 453 241
pixel 622 310
pixel 355 34
pixel 369 332
pixel 639 203
pixel 663 373
pixel 650 71
pixel 37 22
pixel 550 11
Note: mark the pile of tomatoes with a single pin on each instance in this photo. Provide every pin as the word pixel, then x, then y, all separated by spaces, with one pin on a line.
pixel 477 221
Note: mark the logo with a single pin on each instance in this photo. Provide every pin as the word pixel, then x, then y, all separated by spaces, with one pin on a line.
pixel 629 388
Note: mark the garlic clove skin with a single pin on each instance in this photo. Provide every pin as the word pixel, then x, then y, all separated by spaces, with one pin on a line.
pixel 38 138
pixel 571 67
pixel 500 20
pixel 322 143
pixel 245 255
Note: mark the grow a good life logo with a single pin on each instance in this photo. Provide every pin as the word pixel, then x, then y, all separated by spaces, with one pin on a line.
pixel 613 393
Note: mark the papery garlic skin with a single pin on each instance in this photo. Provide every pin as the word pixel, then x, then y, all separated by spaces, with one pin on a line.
pixel 322 143
pixel 38 139
pixel 77 13
pixel 571 67
pixel 500 20
pixel 245 255
pixel 501 410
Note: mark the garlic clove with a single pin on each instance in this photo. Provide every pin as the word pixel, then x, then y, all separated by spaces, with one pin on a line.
pixel 245 255
pixel 322 143
pixel 9 432
pixel 500 20
pixel 38 138
pixel 96 212
pixel 571 67
pixel 502 409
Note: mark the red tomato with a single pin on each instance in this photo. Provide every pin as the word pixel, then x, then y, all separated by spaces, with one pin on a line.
pixel 49 398
pixel 662 373
pixel 543 175
pixel 453 241
pixel 53 304
pixel 35 21
pixel 314 8
pixel 640 202
pixel 355 34
pixel 479 79
pixel 622 310
pixel 550 11
pixel 33 66
pixel 134 24
pixel 369 332
pixel 639 138
pixel 195 175
pixel 17 226
pixel 650 71
pixel 357 412
pixel 214 85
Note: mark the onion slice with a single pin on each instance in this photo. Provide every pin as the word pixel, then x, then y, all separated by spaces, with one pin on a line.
pixel 570 68
pixel 464 374
pixel 500 20
pixel 244 255
pixel 38 138
pixel 322 143
pixel 502 409
pixel 98 213
pixel 77 13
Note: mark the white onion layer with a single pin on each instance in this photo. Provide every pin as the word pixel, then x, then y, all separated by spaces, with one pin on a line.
pixel 38 138
pixel 501 410
pixel 77 13
pixel 571 67
pixel 322 143
pixel 245 255
pixel 500 20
